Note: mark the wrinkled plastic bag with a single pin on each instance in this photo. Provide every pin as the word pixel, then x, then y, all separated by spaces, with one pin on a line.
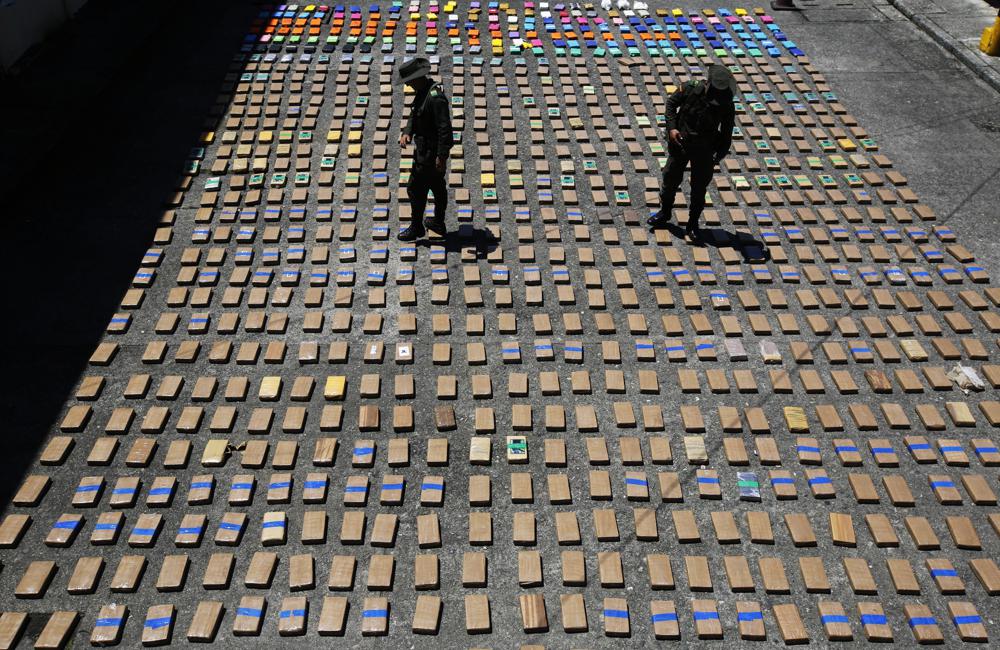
pixel 966 378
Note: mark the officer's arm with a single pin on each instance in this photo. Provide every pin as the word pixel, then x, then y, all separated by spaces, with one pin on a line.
pixel 408 127
pixel 442 120
pixel 673 105
pixel 725 138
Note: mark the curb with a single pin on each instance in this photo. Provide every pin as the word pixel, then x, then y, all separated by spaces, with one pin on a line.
pixel 981 70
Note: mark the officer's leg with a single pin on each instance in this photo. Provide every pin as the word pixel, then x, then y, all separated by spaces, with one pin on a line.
pixel 673 173
pixel 702 167
pixel 416 190
pixel 439 188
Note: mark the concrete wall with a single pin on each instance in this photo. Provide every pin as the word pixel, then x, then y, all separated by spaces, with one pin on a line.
pixel 24 23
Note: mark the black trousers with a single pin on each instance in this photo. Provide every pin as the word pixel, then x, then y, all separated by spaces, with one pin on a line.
pixel 424 178
pixel 702 161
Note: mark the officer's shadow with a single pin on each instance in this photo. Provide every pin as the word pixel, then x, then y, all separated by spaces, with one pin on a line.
pixel 750 248
pixel 466 236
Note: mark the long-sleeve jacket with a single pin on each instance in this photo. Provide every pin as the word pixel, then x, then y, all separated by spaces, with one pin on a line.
pixel 702 121
pixel 430 125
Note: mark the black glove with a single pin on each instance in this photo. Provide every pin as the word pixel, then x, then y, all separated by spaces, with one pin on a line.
pixel 719 155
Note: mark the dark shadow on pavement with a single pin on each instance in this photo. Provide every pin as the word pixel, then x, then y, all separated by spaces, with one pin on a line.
pixel 467 235
pixel 99 124
pixel 751 249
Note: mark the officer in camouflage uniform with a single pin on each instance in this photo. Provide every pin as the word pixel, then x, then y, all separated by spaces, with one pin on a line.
pixel 429 128
pixel 700 116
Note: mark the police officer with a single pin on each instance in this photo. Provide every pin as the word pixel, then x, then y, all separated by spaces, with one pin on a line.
pixel 700 118
pixel 429 128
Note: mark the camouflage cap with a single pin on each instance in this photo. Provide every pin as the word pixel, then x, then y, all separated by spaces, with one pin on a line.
pixel 414 69
pixel 721 78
